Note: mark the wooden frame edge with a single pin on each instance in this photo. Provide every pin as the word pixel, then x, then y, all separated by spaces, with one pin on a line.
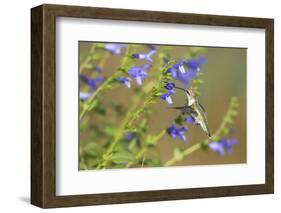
pixel 37 190
pixel 43 104
pixel 269 119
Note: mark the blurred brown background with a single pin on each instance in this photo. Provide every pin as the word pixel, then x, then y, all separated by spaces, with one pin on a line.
pixel 224 77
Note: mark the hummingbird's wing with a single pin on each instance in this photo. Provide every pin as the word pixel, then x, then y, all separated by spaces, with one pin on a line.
pixel 202 107
pixel 184 109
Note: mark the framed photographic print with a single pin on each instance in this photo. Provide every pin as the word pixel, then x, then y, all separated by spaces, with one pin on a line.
pixel 135 106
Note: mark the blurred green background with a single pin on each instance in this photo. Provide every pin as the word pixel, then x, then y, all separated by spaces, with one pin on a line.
pixel 224 77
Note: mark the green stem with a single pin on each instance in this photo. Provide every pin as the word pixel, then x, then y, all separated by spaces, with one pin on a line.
pixel 125 60
pixel 88 58
pixel 129 119
pixel 143 160
pixel 185 153
pixel 149 100
pixel 146 104
pixel 138 156
pixel 104 59
pixel 143 150
pixel 122 127
pixel 197 146
pixel 124 123
pixel 160 135
pixel 91 101
pixel 82 165
pixel 132 115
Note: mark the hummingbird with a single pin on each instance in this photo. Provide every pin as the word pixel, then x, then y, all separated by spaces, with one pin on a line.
pixel 195 110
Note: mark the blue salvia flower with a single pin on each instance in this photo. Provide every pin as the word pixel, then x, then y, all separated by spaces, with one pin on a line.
pixel 190 119
pixel 151 47
pixel 180 66
pixel 130 136
pixel 115 49
pixel 125 81
pixel 175 132
pixel 139 73
pixel 145 56
pixel 223 145
pixel 167 96
pixel 91 82
pixel 217 147
pixel 195 64
pixel 184 77
pixel 97 69
pixel 166 60
pixel 231 130
pixel 169 85
pixel 193 120
pixel 84 96
pixel 185 71
pixel 228 144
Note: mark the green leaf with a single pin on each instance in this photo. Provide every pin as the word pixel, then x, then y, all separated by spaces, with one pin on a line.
pixel 110 130
pixel 119 108
pixel 91 105
pixel 153 162
pixel 150 140
pixel 96 57
pixel 215 138
pixel 233 112
pixel 143 126
pixel 204 146
pixel 89 66
pixel 123 157
pixel 108 86
pixel 122 69
pixel 162 55
pixel 100 45
pixel 229 120
pixel 81 104
pixel 179 120
pixel 92 163
pixel 82 165
pixel 178 154
pixel 93 149
pixel 225 131
pixel 100 109
pixel 198 81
